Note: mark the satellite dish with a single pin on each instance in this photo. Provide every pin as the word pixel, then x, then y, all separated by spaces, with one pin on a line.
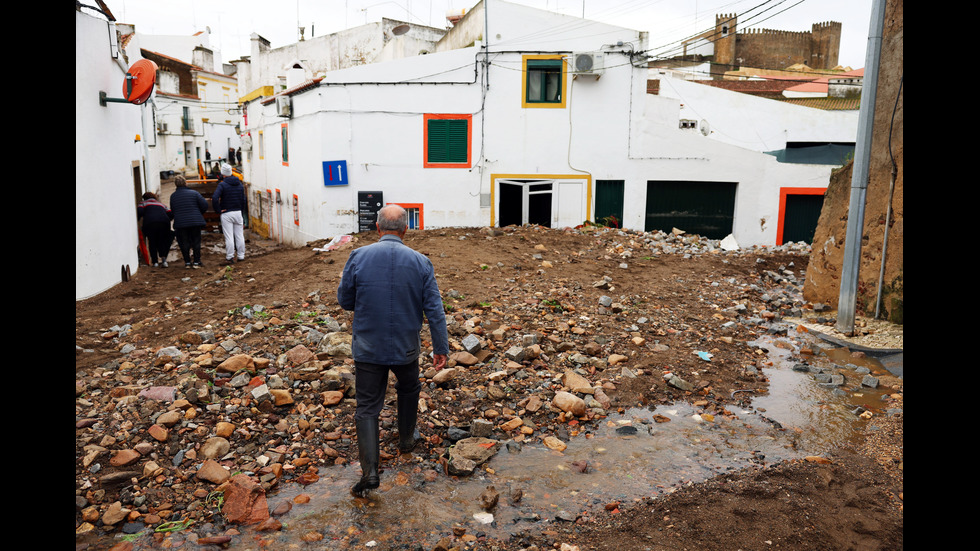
pixel 140 79
pixel 400 30
pixel 704 127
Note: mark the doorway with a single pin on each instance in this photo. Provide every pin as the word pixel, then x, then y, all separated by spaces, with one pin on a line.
pixel 799 213
pixel 702 208
pixel 551 203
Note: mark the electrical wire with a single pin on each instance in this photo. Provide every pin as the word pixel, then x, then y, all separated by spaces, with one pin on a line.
pixel 712 37
pixel 891 193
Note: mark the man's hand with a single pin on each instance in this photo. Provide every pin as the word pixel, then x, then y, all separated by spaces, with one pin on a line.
pixel 439 361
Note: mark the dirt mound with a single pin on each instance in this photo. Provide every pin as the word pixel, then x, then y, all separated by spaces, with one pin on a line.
pixel 632 312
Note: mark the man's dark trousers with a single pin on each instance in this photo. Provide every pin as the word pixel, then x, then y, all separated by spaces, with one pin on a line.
pixel 189 241
pixel 371 382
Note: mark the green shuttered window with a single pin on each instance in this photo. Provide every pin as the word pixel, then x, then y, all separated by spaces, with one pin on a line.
pixel 447 141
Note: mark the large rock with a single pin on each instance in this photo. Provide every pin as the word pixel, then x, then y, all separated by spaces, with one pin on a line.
pixel 125 457
pixel 245 501
pixel 569 403
pixel 114 514
pixel 212 471
pixel 469 453
pixel 336 344
pixel 576 383
pixel 299 355
pixel 555 443
pixel 444 376
pixel 214 447
pixel 281 396
pixel 237 363
pixel 332 397
pixel 464 358
pixel 471 343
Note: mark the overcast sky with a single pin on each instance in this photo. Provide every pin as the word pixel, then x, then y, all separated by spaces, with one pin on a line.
pixel 668 21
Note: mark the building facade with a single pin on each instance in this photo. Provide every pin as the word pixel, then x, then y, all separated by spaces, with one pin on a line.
pixel 111 161
pixel 547 123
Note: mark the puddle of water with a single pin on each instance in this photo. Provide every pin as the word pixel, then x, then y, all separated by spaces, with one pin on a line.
pixel 627 458
pixel 823 416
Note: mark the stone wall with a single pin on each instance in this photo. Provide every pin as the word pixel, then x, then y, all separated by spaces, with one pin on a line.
pixel 818 48
pixel 823 274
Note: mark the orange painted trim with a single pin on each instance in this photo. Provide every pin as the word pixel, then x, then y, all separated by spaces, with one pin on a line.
pixel 414 206
pixel 783 193
pixel 285 128
pixel 425 140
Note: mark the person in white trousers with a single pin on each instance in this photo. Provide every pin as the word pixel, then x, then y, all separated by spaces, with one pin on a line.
pixel 228 201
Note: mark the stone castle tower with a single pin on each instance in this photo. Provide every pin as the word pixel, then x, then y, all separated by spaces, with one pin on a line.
pixel 773 49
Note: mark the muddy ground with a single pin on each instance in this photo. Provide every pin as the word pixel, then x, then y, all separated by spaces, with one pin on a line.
pixel 667 298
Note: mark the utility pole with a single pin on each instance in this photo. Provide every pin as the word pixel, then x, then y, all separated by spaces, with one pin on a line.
pixel 859 176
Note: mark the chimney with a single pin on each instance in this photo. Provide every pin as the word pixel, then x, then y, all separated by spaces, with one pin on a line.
pixel 203 58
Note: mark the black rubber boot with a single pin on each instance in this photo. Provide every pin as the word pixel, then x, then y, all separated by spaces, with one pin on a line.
pixel 369 450
pixel 408 414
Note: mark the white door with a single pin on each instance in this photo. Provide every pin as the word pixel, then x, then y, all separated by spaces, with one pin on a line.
pixel 571 205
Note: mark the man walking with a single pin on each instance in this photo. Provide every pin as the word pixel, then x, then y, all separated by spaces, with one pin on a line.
pixel 389 287
pixel 188 207
pixel 228 201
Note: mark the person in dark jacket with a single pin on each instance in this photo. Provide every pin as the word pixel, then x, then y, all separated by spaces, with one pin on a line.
pixel 188 207
pixel 228 201
pixel 389 287
pixel 156 219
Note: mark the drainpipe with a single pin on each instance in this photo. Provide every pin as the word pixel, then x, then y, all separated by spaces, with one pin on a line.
pixel 859 177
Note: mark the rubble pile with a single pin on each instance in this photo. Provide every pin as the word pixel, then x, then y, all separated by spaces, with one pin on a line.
pixel 199 426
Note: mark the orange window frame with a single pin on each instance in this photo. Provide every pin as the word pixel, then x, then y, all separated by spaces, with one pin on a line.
pixel 425 140
pixel 285 144
pixel 407 206
pixel 787 191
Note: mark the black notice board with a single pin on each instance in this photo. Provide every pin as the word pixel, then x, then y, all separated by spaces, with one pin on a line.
pixel 368 205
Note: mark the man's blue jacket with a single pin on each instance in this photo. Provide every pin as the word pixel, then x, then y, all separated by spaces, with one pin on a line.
pixel 229 195
pixel 389 287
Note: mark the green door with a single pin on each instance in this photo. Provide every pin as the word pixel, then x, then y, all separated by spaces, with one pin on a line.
pixel 703 208
pixel 800 217
pixel 609 201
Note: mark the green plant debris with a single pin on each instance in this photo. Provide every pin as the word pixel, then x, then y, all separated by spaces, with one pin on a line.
pixel 174 526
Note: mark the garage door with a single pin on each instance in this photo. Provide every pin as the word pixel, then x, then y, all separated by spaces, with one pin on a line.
pixel 703 208
pixel 800 217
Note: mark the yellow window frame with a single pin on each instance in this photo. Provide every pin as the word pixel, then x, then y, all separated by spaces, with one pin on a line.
pixel 564 81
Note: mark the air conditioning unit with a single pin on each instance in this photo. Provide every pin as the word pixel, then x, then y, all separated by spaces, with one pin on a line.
pixel 284 106
pixel 587 63
pixel 161 128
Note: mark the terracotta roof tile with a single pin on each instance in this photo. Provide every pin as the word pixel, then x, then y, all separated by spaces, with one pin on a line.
pixel 828 104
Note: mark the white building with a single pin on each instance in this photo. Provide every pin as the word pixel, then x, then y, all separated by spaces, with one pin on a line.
pixel 195 107
pixel 111 161
pixel 548 122
pixel 753 122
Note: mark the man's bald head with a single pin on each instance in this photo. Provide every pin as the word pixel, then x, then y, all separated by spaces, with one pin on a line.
pixel 392 219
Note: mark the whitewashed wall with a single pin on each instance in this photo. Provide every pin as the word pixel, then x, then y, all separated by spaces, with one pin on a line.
pixel 669 153
pixel 106 237
pixel 755 123
pixel 610 128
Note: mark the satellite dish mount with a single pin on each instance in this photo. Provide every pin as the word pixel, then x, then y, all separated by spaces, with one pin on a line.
pixel 138 85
